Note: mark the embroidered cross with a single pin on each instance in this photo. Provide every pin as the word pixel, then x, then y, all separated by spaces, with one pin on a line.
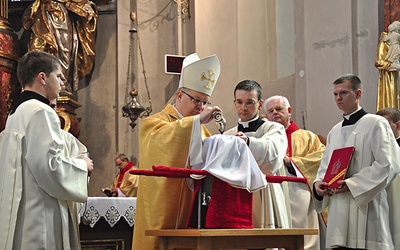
pixel 210 82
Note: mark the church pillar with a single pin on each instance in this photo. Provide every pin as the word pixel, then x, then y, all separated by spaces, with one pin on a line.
pixel 391 11
pixel 9 56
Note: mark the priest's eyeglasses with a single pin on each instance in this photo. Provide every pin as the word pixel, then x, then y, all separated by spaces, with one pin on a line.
pixel 120 163
pixel 246 104
pixel 196 101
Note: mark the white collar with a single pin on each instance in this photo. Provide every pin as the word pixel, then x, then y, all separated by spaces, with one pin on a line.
pixel 347 117
pixel 179 114
pixel 246 124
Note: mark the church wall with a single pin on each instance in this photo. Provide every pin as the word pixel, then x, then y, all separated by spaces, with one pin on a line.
pixel 103 129
pixel 98 113
pixel 285 38
pixel 368 36
pixel 217 33
pixel 328 45
pixel 342 40
pixel 245 43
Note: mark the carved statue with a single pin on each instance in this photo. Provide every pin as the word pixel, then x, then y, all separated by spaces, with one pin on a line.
pixel 393 38
pixel 387 61
pixel 66 29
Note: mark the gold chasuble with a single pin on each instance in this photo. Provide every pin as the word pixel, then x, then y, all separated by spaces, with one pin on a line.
pixel 127 183
pixel 305 150
pixel 163 203
pixel 388 89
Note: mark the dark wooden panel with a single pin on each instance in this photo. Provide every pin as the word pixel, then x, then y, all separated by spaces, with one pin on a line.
pixel 102 231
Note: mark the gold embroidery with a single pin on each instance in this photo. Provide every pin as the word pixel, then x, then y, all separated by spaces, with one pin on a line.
pixel 337 176
pixel 210 82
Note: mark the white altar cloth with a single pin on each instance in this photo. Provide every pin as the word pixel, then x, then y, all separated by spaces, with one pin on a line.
pixel 110 208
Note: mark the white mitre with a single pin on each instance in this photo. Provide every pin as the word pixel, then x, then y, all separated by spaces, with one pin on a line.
pixel 200 74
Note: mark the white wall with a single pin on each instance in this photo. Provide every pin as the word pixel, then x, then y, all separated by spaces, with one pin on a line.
pixel 342 40
pixel 285 38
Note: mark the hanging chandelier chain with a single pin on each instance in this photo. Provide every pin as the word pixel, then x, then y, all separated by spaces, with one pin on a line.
pixel 149 108
pixel 128 86
pixel 133 109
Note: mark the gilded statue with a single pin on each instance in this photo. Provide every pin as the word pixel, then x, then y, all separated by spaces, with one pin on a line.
pixel 387 61
pixel 66 29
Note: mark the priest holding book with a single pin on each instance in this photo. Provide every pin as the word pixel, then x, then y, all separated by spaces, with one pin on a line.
pixel 124 184
pixel 359 209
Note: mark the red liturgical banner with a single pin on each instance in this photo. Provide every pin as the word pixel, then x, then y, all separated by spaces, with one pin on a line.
pixel 338 164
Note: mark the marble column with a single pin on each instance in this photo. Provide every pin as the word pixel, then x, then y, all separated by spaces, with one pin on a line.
pixel 9 56
pixel 391 11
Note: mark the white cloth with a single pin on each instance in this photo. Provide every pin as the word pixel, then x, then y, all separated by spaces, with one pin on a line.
pixel 229 159
pixel 360 218
pixel 73 148
pixel 38 182
pixel 111 209
pixel 268 145
pixel 196 143
pixel 394 205
pixel 271 207
pixel 120 193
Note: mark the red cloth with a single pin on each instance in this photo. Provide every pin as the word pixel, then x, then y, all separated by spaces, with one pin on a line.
pixel 152 173
pixel 289 130
pixel 280 179
pixel 164 171
pixel 229 207
pixel 185 173
pixel 122 173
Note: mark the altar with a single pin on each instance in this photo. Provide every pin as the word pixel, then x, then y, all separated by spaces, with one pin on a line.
pixel 107 223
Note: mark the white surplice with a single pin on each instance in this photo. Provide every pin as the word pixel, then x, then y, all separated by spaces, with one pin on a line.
pixel 39 183
pixel 268 144
pixel 360 218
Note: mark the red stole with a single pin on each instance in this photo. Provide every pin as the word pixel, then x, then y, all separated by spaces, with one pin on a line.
pixel 122 173
pixel 289 130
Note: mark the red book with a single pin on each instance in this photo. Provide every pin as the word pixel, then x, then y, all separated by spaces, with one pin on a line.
pixel 338 164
